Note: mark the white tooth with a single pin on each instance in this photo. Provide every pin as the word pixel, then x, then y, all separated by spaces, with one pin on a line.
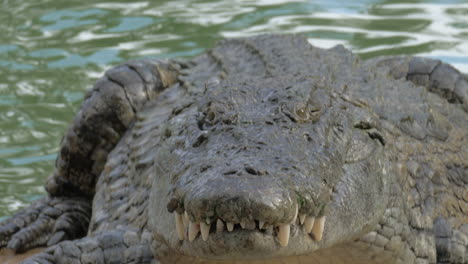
pixel 180 226
pixel 309 223
pixel 205 231
pixel 194 228
pixel 208 221
pixel 283 234
pixel 302 218
pixel 219 226
pixel 318 228
pixel 261 224
pixel 295 214
pixel 242 224
pixel 230 226
pixel 186 220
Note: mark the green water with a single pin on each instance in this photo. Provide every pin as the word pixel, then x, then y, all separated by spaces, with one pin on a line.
pixel 52 51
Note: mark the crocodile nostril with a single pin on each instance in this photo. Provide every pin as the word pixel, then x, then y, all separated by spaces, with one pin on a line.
pixel 253 171
pixel 231 172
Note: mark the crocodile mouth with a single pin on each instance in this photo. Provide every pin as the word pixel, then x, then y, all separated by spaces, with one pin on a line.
pixel 301 224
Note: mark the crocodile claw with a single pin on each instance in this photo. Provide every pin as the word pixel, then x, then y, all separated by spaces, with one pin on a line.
pixel 45 223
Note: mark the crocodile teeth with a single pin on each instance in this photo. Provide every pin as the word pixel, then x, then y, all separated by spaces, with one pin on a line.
pixel 318 228
pixel 180 226
pixel 302 218
pixel 230 226
pixel 309 223
pixel 261 224
pixel 193 230
pixel 242 224
pixel 283 234
pixel 186 219
pixel 295 214
pixel 219 226
pixel 205 230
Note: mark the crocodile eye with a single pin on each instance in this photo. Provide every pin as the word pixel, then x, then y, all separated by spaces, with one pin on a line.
pixel 302 113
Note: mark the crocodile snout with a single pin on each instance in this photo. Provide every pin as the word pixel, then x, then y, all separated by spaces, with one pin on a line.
pixel 240 203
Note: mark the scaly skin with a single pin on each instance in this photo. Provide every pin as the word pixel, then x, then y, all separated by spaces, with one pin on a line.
pixel 309 155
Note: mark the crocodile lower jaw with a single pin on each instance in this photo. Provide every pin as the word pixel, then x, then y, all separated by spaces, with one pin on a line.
pixel 189 230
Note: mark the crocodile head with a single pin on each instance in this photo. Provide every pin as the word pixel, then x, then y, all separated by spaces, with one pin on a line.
pixel 267 168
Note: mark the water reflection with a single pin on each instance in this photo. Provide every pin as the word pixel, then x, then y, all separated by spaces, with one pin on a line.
pixel 50 53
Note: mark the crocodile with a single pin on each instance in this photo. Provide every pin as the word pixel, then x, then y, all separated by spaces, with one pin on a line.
pixel 263 149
